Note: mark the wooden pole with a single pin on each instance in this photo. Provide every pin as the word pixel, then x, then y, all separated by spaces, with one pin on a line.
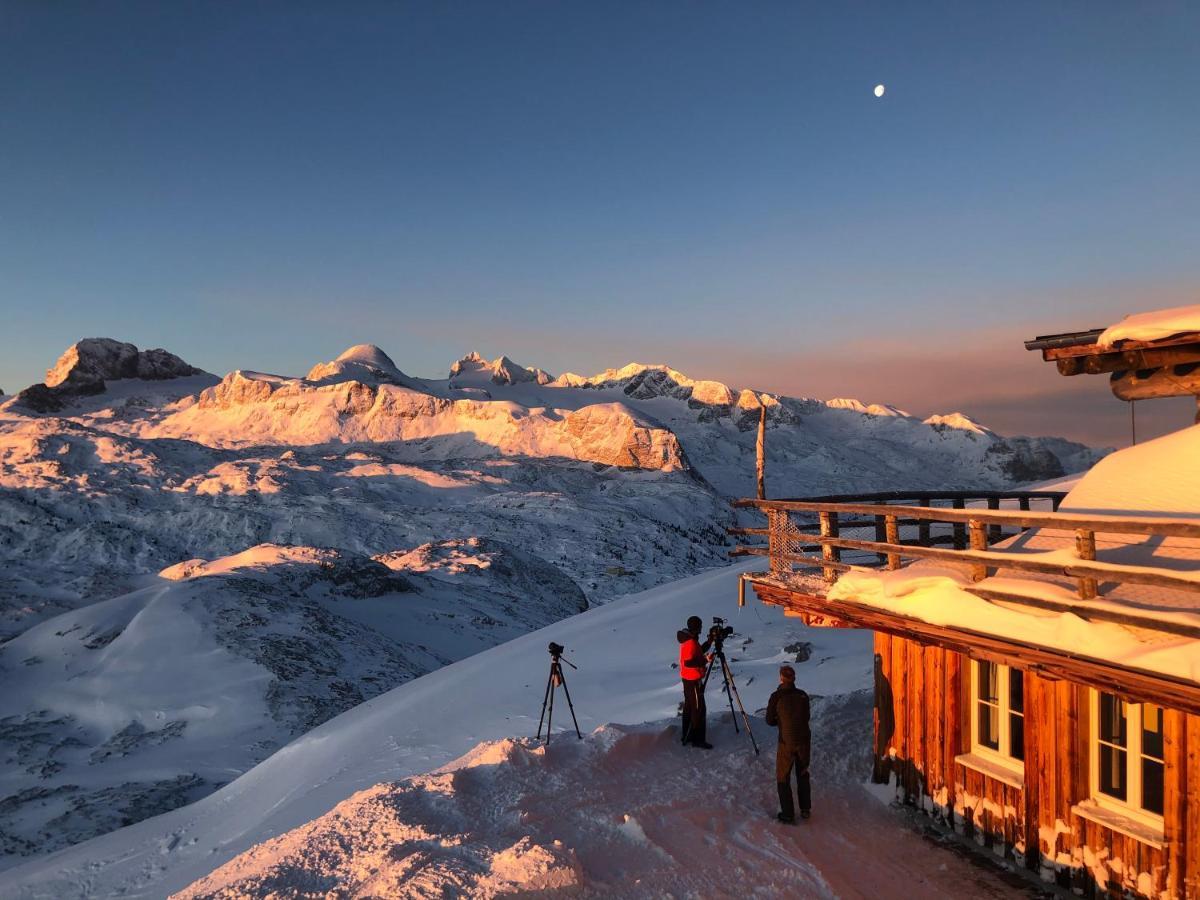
pixel 760 448
pixel 978 537
pixel 1085 549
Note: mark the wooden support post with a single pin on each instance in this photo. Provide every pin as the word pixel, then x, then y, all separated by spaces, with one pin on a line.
pixel 741 590
pixel 829 553
pixel 1023 503
pixel 892 530
pixel 881 536
pixel 960 530
pixel 923 524
pixel 1055 502
pixel 994 533
pixel 760 452
pixel 1085 549
pixel 979 541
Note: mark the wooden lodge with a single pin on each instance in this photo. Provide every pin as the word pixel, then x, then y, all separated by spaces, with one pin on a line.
pixel 1079 763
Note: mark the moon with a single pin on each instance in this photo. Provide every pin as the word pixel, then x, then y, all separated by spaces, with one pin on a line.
pixel 879 89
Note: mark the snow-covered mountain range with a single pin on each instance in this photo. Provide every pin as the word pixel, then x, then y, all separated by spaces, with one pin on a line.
pixel 196 570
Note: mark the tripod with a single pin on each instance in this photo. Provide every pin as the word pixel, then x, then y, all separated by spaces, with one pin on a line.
pixel 731 692
pixel 556 678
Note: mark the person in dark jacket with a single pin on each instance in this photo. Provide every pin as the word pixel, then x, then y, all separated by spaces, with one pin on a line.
pixel 788 711
pixel 692 663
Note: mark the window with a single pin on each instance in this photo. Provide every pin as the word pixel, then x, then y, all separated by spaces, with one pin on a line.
pixel 998 711
pixel 1127 755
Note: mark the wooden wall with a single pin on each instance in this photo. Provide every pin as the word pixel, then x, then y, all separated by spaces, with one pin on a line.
pixel 922 725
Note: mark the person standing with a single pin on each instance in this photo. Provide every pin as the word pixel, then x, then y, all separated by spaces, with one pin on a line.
pixel 788 711
pixel 692 664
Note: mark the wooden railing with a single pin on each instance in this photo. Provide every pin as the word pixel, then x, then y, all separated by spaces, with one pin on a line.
pixel 798 528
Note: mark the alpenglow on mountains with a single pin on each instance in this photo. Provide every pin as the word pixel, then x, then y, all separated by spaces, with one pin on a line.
pixel 195 570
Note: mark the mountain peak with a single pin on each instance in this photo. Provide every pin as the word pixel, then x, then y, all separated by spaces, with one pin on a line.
pixel 86 366
pixel 502 370
pixel 362 362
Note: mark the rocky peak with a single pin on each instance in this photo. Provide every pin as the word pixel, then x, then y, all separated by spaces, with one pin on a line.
pixel 88 364
pixel 501 370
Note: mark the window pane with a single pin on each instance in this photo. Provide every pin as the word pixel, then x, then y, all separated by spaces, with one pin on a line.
pixel 1112 720
pixel 1016 690
pixel 1016 736
pixel 989 681
pixel 1152 786
pixel 1112 771
pixel 989 725
pixel 1152 733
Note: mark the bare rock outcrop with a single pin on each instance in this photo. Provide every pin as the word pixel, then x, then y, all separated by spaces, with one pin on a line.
pixel 87 365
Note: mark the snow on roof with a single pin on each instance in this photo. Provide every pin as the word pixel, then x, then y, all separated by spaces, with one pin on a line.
pixel 1156 325
pixel 1156 478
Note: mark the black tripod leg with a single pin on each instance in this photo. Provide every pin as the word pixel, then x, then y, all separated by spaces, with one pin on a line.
pixel 745 718
pixel 570 705
pixel 550 718
pixel 545 698
pixel 727 678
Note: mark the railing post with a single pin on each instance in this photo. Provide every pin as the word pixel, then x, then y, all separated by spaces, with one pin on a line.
pixel 892 529
pixel 994 532
pixel 960 528
pixel 1085 549
pixel 829 553
pixel 978 532
pixel 1023 503
pixel 880 537
pixel 923 524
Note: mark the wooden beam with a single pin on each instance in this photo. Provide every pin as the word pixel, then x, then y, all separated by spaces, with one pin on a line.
pixel 1093 349
pixel 1150 384
pixel 1135 685
pixel 1092 613
pixel 1102 522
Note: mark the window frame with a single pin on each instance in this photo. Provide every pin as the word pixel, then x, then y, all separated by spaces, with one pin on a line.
pixel 1005 710
pixel 1131 807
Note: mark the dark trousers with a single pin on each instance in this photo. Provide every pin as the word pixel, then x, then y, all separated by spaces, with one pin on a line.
pixel 788 759
pixel 694 712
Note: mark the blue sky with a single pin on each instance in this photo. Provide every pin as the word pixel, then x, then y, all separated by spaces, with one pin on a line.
pixel 580 185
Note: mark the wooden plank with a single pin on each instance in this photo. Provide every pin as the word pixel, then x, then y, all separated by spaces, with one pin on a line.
pixel 953 742
pixel 900 700
pixel 1133 684
pixel 923 525
pixel 978 557
pixel 884 713
pixel 1055 521
pixel 932 707
pixel 916 694
pixel 1175 788
pixel 1191 865
pixel 1031 797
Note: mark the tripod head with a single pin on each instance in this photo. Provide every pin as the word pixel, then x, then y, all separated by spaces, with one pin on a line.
pixel 556 653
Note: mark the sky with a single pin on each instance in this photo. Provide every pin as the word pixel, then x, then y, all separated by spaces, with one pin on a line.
pixel 709 185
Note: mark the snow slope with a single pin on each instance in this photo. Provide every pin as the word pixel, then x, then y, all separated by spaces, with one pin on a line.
pixel 136 705
pixel 712 812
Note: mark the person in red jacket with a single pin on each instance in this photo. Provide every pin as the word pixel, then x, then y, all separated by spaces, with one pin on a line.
pixel 692 663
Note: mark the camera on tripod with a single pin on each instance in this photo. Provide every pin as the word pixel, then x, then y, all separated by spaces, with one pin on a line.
pixel 719 630
pixel 557 649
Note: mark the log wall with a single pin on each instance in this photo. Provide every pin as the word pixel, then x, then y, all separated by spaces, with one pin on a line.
pixel 922 726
